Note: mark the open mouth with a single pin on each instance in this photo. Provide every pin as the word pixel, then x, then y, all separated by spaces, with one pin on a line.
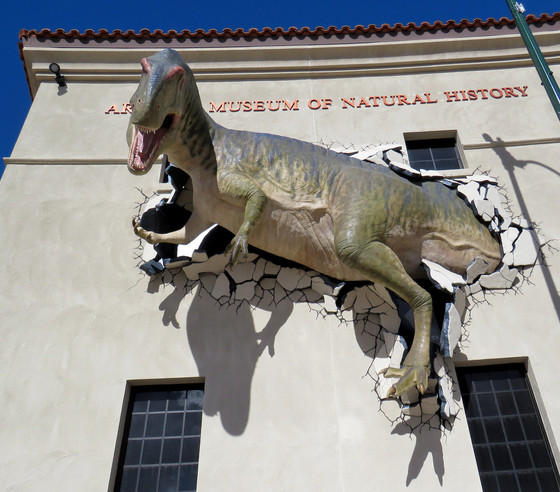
pixel 145 145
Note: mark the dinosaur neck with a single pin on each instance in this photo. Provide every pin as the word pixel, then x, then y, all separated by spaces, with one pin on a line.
pixel 195 151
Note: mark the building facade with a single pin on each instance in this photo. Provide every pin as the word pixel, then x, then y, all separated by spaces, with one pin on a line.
pixel 266 382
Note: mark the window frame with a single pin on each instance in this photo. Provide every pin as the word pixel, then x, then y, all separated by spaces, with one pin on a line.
pixel 427 136
pixel 131 389
pixel 495 436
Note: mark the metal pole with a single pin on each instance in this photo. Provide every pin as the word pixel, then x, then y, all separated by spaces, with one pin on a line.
pixel 542 67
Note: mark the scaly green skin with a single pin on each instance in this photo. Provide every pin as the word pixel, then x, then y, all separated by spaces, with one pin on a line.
pixel 340 216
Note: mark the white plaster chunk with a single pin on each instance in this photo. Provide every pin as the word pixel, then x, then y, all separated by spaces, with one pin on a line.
pixel 442 278
pixel 192 271
pixel 349 300
pixel 347 315
pixel 221 287
pixel 289 278
pixel 390 320
pixel 383 293
pixel 312 296
pixel 478 178
pixel 469 191
pixel 449 406
pixel 411 397
pixel 208 280
pixel 241 272
pixel 430 174
pixel 405 169
pixel 199 256
pixel 390 407
pixel 525 249
pixel 362 304
pixel 439 365
pixel 478 267
pixel 396 347
pixel 304 281
pixel 460 301
pixel 268 283
pixel 266 299
pixel 393 155
pixel 259 269
pixel 429 405
pixel 412 410
pixel 502 279
pixel 330 305
pixel 451 330
pixel 484 209
pixel 522 222
pixel 279 294
pixel 251 257
pixel 271 268
pixel 493 195
pixel 245 291
pixel 216 264
pixel 473 289
pixel 324 286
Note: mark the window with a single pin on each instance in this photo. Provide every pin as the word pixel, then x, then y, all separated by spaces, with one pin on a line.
pixel 510 445
pixel 433 153
pixel 162 439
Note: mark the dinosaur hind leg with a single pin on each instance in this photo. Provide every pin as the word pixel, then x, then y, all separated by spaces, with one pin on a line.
pixel 379 263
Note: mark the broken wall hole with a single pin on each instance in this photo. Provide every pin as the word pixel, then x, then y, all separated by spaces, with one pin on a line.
pixel 382 322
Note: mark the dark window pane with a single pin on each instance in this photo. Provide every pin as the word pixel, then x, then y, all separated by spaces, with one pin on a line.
pixel 419 154
pixel 506 403
pixel 444 152
pixel 494 430
pixel 148 479
pixel 500 455
pixel 476 428
pixel 137 425
pixel 539 454
pixel 531 427
pixel 520 454
pixel 192 423
pixel 133 450
pixel 524 402
pixel 154 427
pixel 194 401
pixel 489 482
pixel 155 451
pixel 514 431
pixel 443 164
pixel 168 477
pixel 191 445
pixel 158 401
pixel 176 400
pixel 174 424
pixel 487 405
pixel 171 450
pixel 507 481
pixel 528 480
pixel 517 446
pixel 151 451
pixel 483 460
pixel 187 477
pixel 548 480
pixel 128 481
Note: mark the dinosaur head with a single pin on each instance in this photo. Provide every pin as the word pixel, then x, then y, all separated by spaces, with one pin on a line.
pixel 158 105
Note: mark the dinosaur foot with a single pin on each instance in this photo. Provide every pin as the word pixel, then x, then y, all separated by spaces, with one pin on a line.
pixel 141 232
pixel 409 377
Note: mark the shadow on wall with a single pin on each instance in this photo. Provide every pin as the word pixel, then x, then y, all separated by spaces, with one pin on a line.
pixel 511 165
pixel 225 345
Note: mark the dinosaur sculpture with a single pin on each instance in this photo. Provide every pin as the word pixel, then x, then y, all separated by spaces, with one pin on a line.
pixel 337 215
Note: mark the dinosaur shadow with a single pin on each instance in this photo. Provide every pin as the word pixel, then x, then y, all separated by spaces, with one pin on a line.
pixel 224 343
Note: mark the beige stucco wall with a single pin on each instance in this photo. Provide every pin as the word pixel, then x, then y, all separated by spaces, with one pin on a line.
pixel 79 320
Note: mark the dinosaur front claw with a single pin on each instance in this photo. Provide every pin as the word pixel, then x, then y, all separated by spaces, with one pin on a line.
pixel 141 232
pixel 238 248
pixel 409 377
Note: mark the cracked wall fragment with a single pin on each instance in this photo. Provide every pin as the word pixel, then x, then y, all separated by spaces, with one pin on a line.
pixel 263 281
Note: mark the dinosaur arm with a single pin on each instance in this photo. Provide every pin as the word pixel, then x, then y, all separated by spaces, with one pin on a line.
pixel 241 187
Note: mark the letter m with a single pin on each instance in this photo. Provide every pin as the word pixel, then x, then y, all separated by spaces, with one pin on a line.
pixel 214 108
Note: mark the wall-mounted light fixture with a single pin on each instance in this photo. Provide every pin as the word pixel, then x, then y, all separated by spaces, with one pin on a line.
pixel 60 80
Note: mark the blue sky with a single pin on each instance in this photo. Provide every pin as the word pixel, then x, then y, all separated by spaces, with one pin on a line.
pixel 218 14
